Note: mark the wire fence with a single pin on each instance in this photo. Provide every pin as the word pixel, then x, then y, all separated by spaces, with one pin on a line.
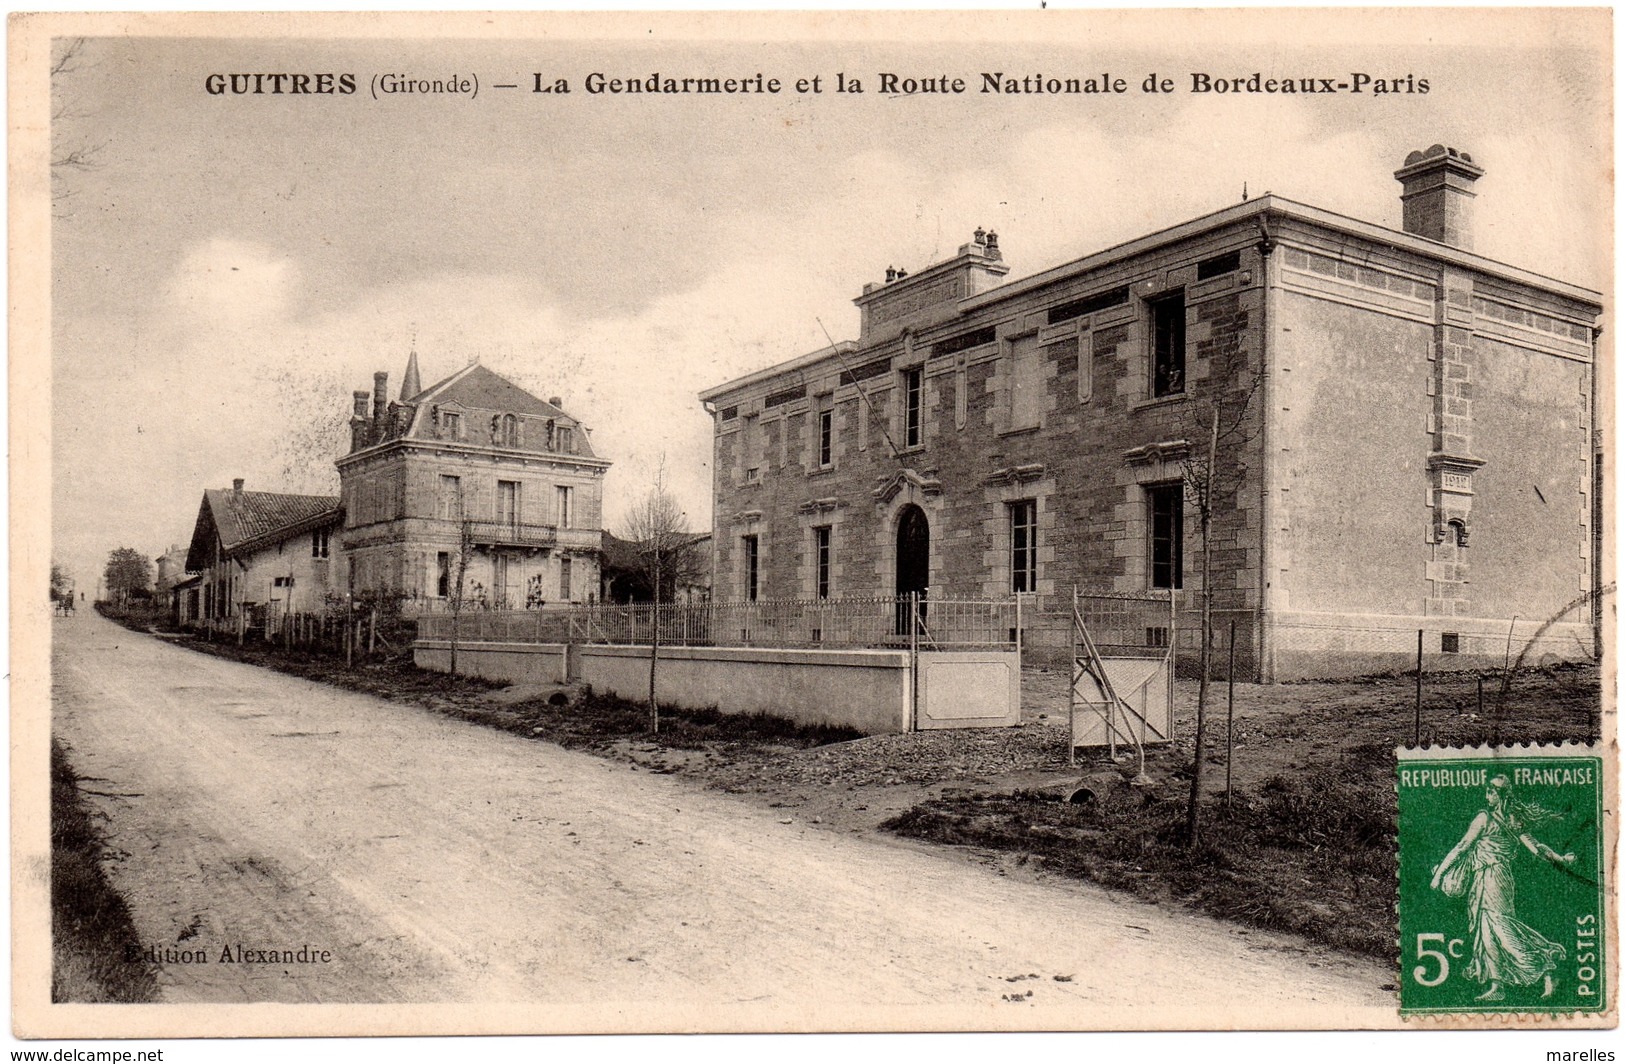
pixel 1131 624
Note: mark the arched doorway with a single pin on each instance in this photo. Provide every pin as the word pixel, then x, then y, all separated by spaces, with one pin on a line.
pixel 913 561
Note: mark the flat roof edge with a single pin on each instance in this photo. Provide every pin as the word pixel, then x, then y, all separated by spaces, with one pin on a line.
pixel 840 347
pixel 1285 208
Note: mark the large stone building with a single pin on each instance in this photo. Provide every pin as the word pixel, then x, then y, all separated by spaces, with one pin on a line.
pixel 473 459
pixel 1405 435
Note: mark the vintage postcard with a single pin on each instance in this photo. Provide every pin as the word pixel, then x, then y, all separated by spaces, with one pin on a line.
pixel 692 522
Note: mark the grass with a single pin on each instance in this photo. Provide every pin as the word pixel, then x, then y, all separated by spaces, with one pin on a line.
pixel 1299 856
pixel 1309 844
pixel 95 952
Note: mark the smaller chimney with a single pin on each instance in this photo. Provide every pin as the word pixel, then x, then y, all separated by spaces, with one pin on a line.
pixel 556 401
pixel 237 486
pixel 1438 195
pixel 360 411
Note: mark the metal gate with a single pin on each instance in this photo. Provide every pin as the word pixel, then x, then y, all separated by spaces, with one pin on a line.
pixel 1122 671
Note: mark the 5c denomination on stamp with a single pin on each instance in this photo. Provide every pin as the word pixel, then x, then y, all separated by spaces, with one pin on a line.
pixel 1501 896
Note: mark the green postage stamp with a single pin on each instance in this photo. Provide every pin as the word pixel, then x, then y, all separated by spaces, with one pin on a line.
pixel 1501 896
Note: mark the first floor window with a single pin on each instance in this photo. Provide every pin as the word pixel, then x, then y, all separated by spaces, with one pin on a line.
pixel 826 438
pixel 1167 506
pixel 1024 545
pixel 821 541
pixel 442 580
pixel 752 548
pixel 1168 344
pixel 564 579
pixel 564 506
pixel 508 502
pixel 318 543
pixel 913 399
pixel 450 503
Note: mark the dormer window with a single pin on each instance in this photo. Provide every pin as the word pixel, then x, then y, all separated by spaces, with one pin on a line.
pixel 510 431
pixel 565 439
pixel 451 425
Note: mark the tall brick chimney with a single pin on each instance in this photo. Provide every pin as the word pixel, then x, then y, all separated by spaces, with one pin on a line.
pixel 1438 194
pixel 237 486
pixel 380 405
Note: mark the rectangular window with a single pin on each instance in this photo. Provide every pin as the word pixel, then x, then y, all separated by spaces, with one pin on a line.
pixel 1168 344
pixel 508 502
pixel 564 440
pixel 451 426
pixel 282 581
pixel 1026 383
pixel 318 543
pixel 500 566
pixel 826 438
pixel 1167 505
pixel 450 506
pixel 565 515
pixel 752 444
pixel 752 573
pixel 1218 266
pixel 821 542
pixel 442 579
pixel 1024 545
pixel 564 579
pixel 913 388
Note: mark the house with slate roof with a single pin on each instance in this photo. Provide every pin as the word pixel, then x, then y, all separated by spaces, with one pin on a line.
pixel 260 555
pixel 475 459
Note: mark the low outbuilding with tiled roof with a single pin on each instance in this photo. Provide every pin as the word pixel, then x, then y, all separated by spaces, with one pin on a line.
pixel 263 554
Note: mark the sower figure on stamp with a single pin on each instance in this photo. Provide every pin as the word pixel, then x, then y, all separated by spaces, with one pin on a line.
pixel 1505 949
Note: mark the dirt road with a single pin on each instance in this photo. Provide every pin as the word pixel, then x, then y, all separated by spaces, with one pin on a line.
pixel 438 861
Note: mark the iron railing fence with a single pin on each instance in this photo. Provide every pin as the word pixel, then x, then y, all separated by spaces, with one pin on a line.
pixel 797 623
pixel 1120 623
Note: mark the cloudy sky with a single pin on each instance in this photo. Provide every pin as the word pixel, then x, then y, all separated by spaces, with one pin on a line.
pixel 229 268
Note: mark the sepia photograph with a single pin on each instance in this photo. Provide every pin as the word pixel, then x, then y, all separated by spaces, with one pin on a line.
pixel 667 523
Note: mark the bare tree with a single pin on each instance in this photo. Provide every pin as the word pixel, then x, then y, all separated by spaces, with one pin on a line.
pixel 456 597
pixel 667 557
pixel 1213 473
pixel 67 154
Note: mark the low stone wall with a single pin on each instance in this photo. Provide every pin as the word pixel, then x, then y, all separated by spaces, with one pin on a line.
pixel 869 690
pixel 502 662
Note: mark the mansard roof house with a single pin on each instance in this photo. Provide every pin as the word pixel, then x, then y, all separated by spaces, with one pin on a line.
pixel 473 455
pixel 1412 446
